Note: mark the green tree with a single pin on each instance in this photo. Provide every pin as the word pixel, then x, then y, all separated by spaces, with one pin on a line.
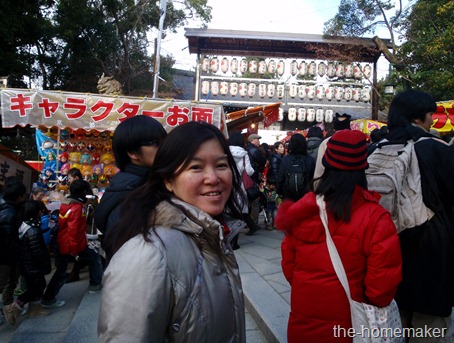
pixel 68 44
pixel 429 47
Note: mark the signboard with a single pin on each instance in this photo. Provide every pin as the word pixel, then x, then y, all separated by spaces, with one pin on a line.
pixel 366 125
pixel 99 112
pixel 443 117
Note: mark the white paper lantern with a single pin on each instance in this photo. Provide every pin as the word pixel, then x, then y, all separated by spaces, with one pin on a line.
pixel 312 68
pixel 319 115
pixel 320 92
pixel 293 90
pixel 367 71
pixel 340 70
pixel 214 65
pixel 280 91
pixel 206 64
pixel 270 90
pixel 262 90
pixel 339 93
pixel 356 94
pixel 329 92
pixel 224 65
pixel 214 87
pixel 329 116
pixel 223 88
pixel 281 67
pixel 272 67
pixel 321 69
pixel 292 114
pixel 233 88
pixel 348 94
pixel 302 91
pixel 281 114
pixel 234 65
pixel 262 67
pixel 205 87
pixel 310 115
pixel 253 66
pixel 251 89
pixel 349 71
pixel 302 69
pixel 243 66
pixel 357 71
pixel 331 69
pixel 293 68
pixel 242 89
pixel 301 114
pixel 366 94
pixel 311 91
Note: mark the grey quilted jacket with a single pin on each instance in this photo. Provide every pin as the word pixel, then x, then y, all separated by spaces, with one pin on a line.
pixel 183 286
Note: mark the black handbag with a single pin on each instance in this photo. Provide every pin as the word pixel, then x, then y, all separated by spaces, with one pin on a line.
pixel 253 192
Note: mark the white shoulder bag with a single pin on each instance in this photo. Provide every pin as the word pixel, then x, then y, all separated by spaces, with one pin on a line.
pixel 370 323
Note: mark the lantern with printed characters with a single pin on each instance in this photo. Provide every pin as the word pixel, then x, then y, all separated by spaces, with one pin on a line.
pixel 224 65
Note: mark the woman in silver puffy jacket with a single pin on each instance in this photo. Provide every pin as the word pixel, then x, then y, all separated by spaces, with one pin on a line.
pixel 173 277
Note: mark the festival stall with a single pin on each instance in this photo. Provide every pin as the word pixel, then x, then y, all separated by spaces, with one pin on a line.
pixel 12 165
pixel 75 129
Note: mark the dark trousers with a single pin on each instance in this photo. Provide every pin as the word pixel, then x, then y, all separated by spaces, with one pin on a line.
pixel 36 283
pixel 58 279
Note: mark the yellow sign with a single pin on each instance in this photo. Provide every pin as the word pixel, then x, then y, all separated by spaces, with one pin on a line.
pixel 443 117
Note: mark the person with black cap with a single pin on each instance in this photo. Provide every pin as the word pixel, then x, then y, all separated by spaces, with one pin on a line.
pixel 363 233
pixel 340 122
pixel 258 162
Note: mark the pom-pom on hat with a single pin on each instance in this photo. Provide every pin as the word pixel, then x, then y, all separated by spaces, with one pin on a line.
pixel 341 121
pixel 346 150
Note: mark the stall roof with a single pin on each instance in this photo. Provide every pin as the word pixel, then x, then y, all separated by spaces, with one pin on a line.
pixel 284 45
pixel 242 119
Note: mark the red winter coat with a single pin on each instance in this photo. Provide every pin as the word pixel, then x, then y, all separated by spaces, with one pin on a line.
pixel 72 222
pixel 370 252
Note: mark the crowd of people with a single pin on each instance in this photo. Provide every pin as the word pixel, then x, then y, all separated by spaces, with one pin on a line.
pixel 178 205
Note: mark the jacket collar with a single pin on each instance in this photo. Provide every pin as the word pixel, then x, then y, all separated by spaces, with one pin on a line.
pixel 186 218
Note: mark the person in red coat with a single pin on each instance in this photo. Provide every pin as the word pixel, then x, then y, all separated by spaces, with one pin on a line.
pixel 71 239
pixel 365 237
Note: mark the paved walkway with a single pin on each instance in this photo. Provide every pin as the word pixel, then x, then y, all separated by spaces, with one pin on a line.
pixel 267 293
pixel 266 312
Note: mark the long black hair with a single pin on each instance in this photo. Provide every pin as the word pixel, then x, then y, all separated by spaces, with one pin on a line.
pixel 175 153
pixel 338 186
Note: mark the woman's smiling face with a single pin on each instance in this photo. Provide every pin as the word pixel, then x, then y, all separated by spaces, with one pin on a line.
pixel 206 182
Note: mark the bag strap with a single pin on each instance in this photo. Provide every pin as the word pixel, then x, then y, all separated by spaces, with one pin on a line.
pixel 333 253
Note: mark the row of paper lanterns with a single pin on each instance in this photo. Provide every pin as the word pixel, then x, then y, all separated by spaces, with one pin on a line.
pixel 310 115
pixel 271 90
pixel 330 69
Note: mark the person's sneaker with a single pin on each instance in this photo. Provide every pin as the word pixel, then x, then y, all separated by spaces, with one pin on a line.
pixel 11 312
pixel 253 230
pixel 52 303
pixel 94 288
pixel 18 292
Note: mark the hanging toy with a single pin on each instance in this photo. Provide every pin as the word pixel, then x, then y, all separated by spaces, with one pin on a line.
pixel 85 159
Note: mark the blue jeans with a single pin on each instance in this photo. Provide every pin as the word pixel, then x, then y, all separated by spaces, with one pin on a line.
pixel 58 279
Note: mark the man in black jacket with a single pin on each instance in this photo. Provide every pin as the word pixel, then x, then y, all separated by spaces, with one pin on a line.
pixel 10 220
pixel 258 161
pixel 135 143
pixel 426 294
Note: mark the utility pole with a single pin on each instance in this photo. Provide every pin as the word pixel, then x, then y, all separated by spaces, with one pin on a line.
pixel 162 16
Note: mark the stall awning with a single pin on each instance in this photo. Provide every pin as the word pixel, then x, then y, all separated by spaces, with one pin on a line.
pixel 242 119
pixel 98 112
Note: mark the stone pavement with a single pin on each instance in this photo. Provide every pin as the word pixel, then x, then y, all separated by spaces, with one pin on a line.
pixel 266 296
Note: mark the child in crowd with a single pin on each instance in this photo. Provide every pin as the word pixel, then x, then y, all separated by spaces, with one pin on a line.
pixel 272 201
pixel 34 259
